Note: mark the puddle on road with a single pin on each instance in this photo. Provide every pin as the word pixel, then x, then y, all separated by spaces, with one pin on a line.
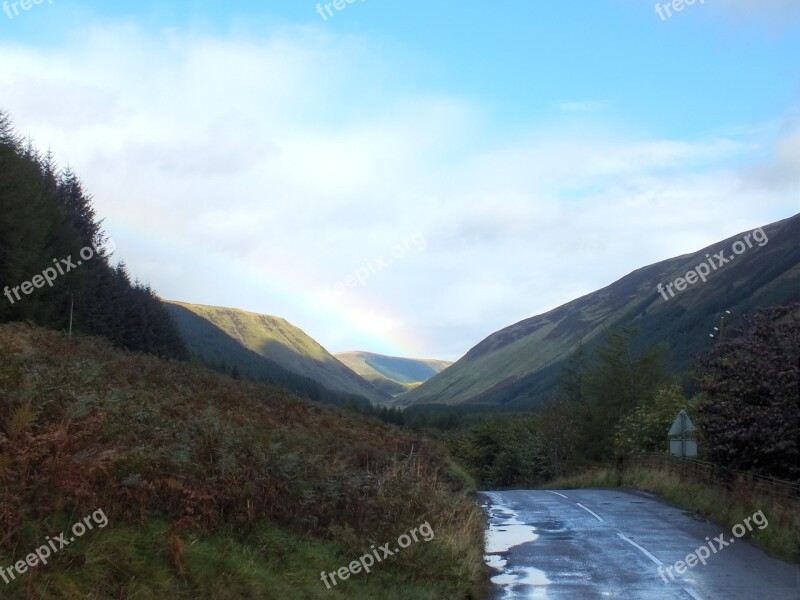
pixel 524 576
pixel 495 561
pixel 510 532
pixel 533 580
pixel 505 532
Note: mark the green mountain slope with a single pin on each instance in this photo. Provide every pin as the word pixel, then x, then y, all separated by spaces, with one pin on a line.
pixel 519 366
pixel 212 347
pixel 219 334
pixel 392 374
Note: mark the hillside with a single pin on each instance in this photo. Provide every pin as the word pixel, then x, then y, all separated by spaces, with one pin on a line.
pixel 210 487
pixel 391 374
pixel 231 336
pixel 519 366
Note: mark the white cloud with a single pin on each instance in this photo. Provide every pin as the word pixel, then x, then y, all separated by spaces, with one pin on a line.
pixel 247 172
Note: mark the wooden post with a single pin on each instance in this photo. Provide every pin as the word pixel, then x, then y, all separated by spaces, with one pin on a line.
pixel 71 306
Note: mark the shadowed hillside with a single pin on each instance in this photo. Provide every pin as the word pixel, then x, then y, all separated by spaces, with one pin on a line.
pixel 213 347
pixel 273 338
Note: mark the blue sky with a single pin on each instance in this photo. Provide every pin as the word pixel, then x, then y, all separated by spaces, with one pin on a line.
pixel 541 149
pixel 701 70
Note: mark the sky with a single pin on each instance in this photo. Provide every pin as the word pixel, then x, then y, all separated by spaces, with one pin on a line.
pixel 409 177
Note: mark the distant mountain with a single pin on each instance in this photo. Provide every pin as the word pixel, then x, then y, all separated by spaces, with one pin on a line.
pixel 520 365
pixel 391 374
pixel 267 347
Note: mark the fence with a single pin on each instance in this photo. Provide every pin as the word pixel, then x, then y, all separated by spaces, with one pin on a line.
pixel 690 469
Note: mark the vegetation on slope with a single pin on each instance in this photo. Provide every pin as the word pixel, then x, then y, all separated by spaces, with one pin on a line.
pixel 273 338
pixel 212 347
pixel 388 386
pixel 617 402
pixel 751 389
pixel 213 488
pixel 518 368
pixel 391 373
pixel 620 402
pixel 46 220
pixel 589 422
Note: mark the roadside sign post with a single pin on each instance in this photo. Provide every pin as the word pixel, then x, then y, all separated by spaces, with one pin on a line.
pixel 681 439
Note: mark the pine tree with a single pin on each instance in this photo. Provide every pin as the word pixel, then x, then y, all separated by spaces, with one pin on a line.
pixel 78 206
pixel 46 217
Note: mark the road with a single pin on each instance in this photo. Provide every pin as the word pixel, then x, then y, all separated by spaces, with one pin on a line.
pixel 587 544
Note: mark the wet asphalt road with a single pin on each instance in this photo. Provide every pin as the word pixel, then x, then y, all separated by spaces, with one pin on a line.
pixel 587 544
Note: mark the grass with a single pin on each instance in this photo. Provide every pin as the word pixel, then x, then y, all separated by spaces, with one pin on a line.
pixel 257 331
pixel 278 340
pixel 781 538
pixel 214 488
pixel 269 562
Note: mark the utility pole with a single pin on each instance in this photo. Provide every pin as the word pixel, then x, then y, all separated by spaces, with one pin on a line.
pixel 721 329
pixel 71 306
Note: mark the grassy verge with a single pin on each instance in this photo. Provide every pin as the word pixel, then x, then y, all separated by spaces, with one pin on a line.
pixel 269 562
pixel 212 487
pixel 781 538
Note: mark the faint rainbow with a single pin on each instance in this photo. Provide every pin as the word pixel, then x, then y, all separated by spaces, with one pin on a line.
pixel 348 312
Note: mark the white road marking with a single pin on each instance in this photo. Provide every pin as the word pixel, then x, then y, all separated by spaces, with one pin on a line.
pixel 556 493
pixel 591 512
pixel 644 550
pixel 649 555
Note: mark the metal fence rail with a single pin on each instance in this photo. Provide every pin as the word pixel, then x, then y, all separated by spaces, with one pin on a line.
pixel 700 470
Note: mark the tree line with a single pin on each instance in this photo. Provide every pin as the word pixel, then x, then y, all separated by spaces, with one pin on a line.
pixel 46 219
pixel 613 402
